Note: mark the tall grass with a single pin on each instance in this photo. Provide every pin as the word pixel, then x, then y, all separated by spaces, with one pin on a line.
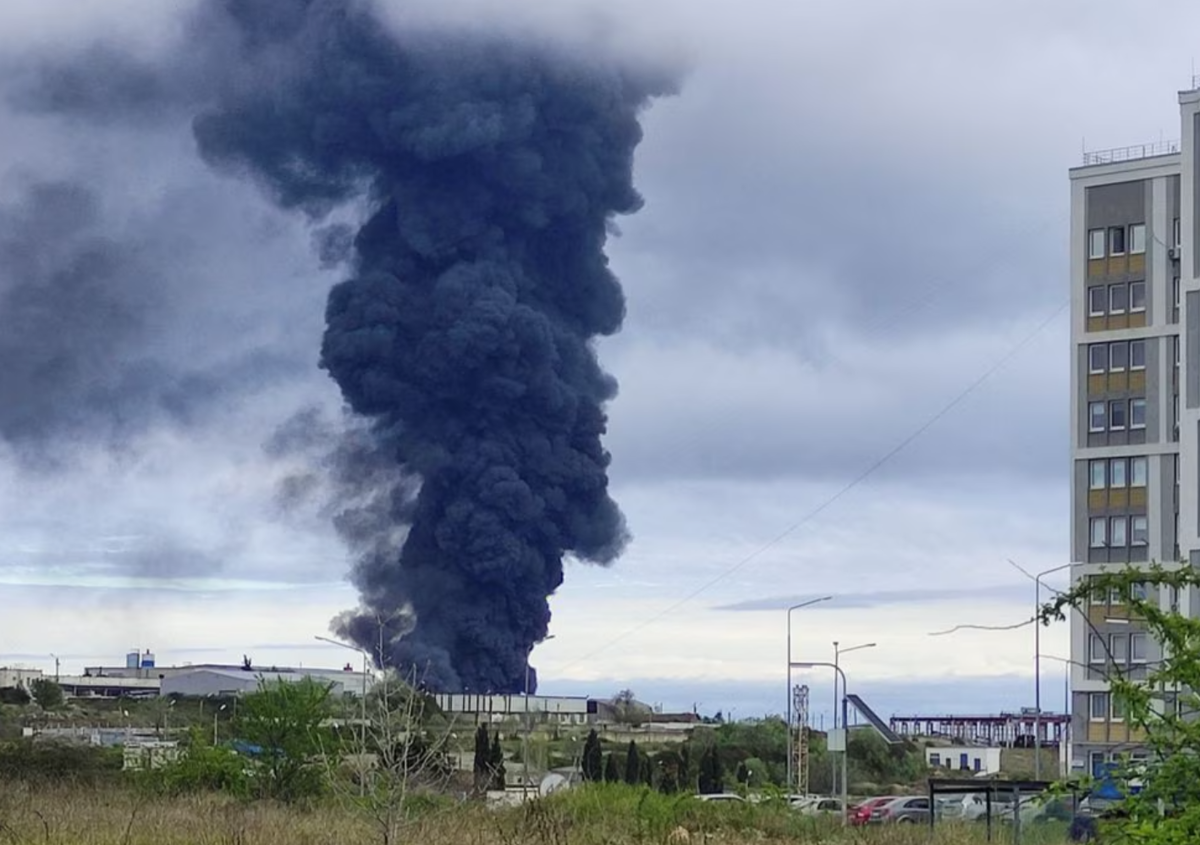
pixel 598 815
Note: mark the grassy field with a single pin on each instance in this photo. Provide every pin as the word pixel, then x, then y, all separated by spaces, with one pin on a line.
pixel 594 816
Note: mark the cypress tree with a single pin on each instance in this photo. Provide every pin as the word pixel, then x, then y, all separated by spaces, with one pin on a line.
pixel 592 758
pixel 483 753
pixel 612 771
pixel 496 764
pixel 633 765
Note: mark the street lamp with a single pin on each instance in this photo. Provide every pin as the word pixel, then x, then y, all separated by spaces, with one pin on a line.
pixel 1064 764
pixel 1037 667
pixel 837 653
pixel 528 724
pixel 366 656
pixel 217 713
pixel 846 740
pixel 790 774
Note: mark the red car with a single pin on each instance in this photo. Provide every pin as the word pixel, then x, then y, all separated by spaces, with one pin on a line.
pixel 861 814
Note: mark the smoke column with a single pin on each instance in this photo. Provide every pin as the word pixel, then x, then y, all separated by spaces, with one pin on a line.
pixel 491 169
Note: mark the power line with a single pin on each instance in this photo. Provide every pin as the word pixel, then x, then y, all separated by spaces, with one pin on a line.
pixel 838 495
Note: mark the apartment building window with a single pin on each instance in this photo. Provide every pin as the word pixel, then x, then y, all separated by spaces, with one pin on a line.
pixel 1139 469
pixel 1137 354
pixel 1098 474
pixel 1098 702
pixel 1137 648
pixel 1116 472
pixel 1137 238
pixel 1137 413
pixel 1138 591
pixel 1177 233
pixel 1096 652
pixel 1137 296
pixel 1099 532
pixel 1097 300
pixel 1116 415
pixel 1118 645
pixel 1116 240
pixel 1117 535
pixel 1139 530
pixel 1118 299
pixel 1118 356
pixel 1096 416
pixel 1117 709
pixel 1175 290
pixel 1096 243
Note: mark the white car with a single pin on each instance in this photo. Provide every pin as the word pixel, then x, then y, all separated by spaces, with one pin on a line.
pixel 820 807
pixel 724 797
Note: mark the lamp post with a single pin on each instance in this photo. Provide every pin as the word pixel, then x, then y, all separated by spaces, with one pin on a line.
pixel 1063 763
pixel 837 671
pixel 790 774
pixel 366 656
pixel 217 713
pixel 1037 668
pixel 528 724
pixel 837 653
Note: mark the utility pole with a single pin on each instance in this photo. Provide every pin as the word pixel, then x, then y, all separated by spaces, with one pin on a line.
pixel 791 774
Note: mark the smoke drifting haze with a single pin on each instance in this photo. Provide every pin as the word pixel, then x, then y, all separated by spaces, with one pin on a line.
pixel 488 171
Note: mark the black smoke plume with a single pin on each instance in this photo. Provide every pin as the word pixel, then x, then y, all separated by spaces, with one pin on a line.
pixel 489 169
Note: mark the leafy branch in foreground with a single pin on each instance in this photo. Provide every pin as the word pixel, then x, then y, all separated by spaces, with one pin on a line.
pixel 1160 707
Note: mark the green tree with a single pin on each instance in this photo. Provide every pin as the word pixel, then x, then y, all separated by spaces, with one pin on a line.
pixel 756 772
pixel 592 758
pixel 1162 705
pixel 482 762
pixel 14 695
pixel 499 776
pixel 47 693
pixel 285 723
pixel 633 765
pixel 711 777
pixel 646 770
pixel 202 767
pixel 668 766
pixel 612 769
pixel 743 773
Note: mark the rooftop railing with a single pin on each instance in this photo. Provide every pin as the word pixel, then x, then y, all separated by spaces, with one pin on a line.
pixel 1131 153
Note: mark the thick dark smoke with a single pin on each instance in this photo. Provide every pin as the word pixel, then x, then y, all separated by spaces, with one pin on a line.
pixel 480 280
pixel 490 170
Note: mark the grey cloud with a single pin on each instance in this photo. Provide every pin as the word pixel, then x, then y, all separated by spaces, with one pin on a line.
pixel 999 593
pixel 698 411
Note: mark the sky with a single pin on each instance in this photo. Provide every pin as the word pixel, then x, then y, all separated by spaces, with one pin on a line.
pixel 843 370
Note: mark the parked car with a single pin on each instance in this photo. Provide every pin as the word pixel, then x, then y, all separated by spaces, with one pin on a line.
pixel 901 810
pixel 861 814
pixel 821 807
pixel 723 797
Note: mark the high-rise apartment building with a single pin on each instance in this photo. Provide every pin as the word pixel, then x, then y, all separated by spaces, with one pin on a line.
pixel 1135 405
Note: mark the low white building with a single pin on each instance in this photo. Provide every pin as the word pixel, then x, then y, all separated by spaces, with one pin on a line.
pixel 974 759
pixel 216 681
pixel 495 708
pixel 11 676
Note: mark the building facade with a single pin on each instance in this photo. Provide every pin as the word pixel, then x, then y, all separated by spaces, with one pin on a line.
pixel 1135 407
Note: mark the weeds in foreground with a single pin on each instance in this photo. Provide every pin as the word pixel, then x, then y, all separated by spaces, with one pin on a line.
pixel 596 815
